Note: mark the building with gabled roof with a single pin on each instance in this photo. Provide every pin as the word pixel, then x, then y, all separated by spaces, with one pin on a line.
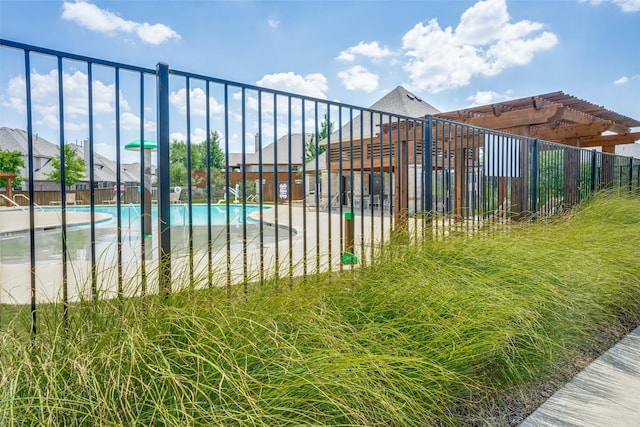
pixel 285 158
pixel 44 151
pixel 399 103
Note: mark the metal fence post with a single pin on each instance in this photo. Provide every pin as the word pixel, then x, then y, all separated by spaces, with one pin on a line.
pixel 535 148
pixel 31 166
pixel 594 154
pixel 164 246
pixel 630 174
pixel 427 170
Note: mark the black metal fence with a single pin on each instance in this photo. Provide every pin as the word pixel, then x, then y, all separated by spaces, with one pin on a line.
pixel 366 175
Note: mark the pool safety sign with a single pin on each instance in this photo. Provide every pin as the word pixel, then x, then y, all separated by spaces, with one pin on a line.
pixel 283 190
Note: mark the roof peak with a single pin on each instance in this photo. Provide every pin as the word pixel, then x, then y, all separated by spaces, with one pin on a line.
pixel 401 101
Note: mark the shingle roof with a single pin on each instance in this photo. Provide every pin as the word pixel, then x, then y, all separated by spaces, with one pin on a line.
pixel 16 140
pixel 398 102
pixel 268 152
pixel 401 101
pixel 104 168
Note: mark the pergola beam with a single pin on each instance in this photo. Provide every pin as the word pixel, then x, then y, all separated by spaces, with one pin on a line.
pixel 509 119
pixel 620 129
pixel 603 140
pixel 568 114
pixel 530 117
pixel 609 140
pixel 570 131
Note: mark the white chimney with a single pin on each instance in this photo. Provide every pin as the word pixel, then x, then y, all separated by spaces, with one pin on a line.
pixel 87 154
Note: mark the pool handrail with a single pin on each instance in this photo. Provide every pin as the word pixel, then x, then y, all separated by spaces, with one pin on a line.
pixel 28 201
pixel 12 202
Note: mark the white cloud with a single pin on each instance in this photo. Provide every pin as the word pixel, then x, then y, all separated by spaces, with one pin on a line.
pixel 624 5
pixel 90 16
pixel 485 97
pixel 177 136
pixel 314 85
pixel 358 77
pixel 131 122
pixel 485 42
pixel 370 50
pixel 198 135
pixel 44 98
pixel 346 56
pixel 273 22
pixel 155 34
pixel 624 79
pixel 197 102
pixel 281 114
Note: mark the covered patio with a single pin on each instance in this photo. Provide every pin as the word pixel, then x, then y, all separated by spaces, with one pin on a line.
pixel 474 151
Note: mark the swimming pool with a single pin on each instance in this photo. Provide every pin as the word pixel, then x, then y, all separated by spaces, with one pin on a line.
pixel 15 249
pixel 179 214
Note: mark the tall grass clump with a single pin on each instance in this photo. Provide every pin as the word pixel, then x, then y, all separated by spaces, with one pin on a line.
pixel 428 334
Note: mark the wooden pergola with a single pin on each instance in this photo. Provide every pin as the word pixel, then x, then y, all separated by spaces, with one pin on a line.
pixel 554 117
pixel 8 176
pixel 399 145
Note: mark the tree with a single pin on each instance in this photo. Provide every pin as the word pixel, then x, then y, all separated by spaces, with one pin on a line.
pixel 311 149
pixel 178 158
pixel 217 155
pixel 178 163
pixel 74 167
pixel 11 162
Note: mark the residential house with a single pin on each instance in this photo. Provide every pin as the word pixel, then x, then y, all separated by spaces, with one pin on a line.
pixel 284 156
pixel 279 149
pixel 44 151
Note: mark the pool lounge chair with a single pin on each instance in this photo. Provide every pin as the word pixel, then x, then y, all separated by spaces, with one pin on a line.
pixel 324 203
pixel 108 202
pixel 358 199
pixel 71 200
pixel 174 198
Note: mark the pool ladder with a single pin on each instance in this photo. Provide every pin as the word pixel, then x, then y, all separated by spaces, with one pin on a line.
pixel 19 206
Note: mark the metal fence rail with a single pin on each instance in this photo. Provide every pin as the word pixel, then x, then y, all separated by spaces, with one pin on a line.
pixel 272 205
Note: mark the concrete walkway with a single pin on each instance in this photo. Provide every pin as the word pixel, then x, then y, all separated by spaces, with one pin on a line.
pixel 606 393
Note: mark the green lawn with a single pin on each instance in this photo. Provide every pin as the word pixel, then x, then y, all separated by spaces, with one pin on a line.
pixel 448 332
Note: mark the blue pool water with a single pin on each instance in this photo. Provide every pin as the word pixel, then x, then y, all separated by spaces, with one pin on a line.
pixel 179 214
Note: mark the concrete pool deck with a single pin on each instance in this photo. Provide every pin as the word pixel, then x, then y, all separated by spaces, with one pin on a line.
pixel 315 244
pixel 14 220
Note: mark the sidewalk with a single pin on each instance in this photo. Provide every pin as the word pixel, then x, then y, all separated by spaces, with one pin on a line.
pixel 605 393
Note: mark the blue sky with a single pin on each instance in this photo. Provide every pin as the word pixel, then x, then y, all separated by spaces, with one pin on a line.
pixel 452 53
